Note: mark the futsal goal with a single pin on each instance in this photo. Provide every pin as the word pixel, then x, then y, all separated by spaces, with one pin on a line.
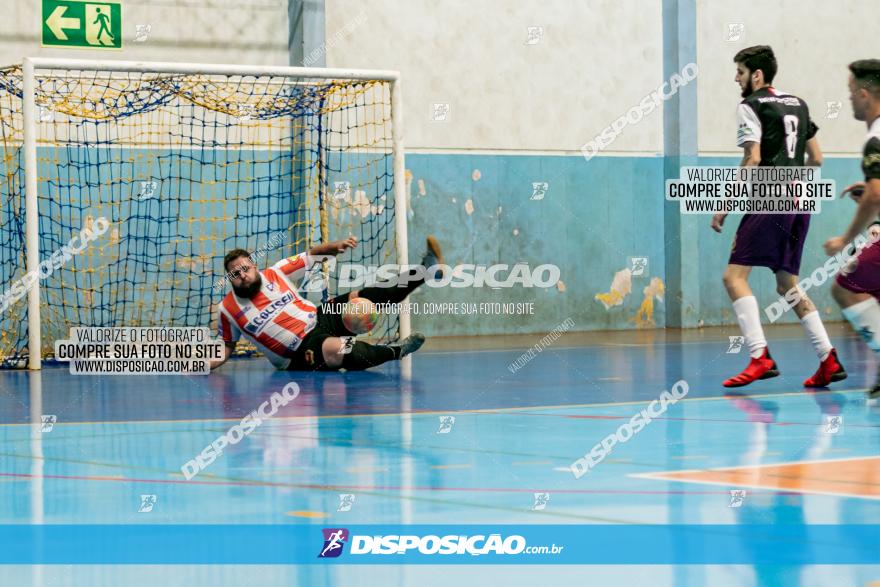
pixel 125 183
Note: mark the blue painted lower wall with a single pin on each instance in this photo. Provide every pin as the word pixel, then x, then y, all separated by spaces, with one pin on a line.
pixel 588 218
pixel 594 217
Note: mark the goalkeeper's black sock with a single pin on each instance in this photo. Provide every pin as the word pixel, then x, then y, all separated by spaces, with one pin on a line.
pixel 363 356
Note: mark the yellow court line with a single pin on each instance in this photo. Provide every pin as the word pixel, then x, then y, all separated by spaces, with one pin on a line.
pixel 307 514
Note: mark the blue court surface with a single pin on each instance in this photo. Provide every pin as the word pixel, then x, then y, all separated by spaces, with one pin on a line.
pixel 464 440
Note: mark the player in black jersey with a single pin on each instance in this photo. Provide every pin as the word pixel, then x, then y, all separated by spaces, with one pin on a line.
pixel 774 129
pixel 857 287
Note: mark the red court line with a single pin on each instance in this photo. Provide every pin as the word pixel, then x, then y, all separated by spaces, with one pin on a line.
pixel 376 487
pixel 600 417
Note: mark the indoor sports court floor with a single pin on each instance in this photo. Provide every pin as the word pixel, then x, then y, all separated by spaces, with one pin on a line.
pixel 792 457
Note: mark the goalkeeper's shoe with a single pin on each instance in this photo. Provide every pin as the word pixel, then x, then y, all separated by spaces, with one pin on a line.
pixel 433 257
pixel 410 344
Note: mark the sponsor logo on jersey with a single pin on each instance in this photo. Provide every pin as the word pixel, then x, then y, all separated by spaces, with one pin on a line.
pixel 258 322
pixel 784 100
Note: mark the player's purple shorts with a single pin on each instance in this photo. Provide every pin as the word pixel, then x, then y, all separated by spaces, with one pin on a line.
pixel 862 274
pixel 771 240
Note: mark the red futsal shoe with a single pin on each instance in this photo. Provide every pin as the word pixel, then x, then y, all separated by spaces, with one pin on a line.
pixel 829 370
pixel 764 367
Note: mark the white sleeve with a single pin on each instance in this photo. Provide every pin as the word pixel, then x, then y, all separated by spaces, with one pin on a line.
pixel 295 268
pixel 748 126
pixel 227 329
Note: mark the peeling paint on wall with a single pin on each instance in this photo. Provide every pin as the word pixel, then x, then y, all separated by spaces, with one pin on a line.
pixel 422 190
pixel 644 317
pixel 469 207
pixel 476 175
pixel 362 205
pixel 621 286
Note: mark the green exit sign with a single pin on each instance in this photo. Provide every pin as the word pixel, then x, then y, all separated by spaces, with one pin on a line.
pixel 70 23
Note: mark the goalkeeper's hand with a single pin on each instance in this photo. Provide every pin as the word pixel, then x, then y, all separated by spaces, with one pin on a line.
pixel 333 248
pixel 350 243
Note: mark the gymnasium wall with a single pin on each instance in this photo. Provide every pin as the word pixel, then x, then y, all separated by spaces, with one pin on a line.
pixel 813 56
pixel 252 32
pixel 518 114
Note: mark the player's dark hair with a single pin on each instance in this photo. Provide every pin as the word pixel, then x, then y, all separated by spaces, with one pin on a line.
pixel 232 256
pixel 758 57
pixel 867 74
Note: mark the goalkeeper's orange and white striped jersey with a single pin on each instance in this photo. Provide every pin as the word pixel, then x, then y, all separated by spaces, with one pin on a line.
pixel 277 318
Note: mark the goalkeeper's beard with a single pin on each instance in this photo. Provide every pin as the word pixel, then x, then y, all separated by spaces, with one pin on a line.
pixel 249 291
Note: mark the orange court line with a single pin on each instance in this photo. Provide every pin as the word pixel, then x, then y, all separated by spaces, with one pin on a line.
pixel 853 477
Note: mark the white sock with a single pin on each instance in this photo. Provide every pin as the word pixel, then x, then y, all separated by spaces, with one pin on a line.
pixel 865 318
pixel 817 334
pixel 749 318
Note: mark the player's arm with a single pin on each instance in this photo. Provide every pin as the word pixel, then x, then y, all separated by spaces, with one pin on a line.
pixel 334 248
pixel 229 334
pixel 748 136
pixel 866 213
pixel 814 153
pixel 228 349
pixel 868 202
pixel 296 268
pixel 751 155
pixel 751 158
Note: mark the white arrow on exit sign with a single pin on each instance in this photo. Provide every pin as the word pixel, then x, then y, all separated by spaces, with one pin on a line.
pixel 57 23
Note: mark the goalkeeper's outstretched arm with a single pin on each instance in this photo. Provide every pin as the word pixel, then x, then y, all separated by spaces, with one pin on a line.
pixel 333 248
pixel 228 349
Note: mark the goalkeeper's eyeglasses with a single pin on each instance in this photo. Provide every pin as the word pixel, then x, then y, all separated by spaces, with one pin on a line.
pixel 236 273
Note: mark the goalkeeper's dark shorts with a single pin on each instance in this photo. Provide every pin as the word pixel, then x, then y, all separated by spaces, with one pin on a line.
pixel 309 356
